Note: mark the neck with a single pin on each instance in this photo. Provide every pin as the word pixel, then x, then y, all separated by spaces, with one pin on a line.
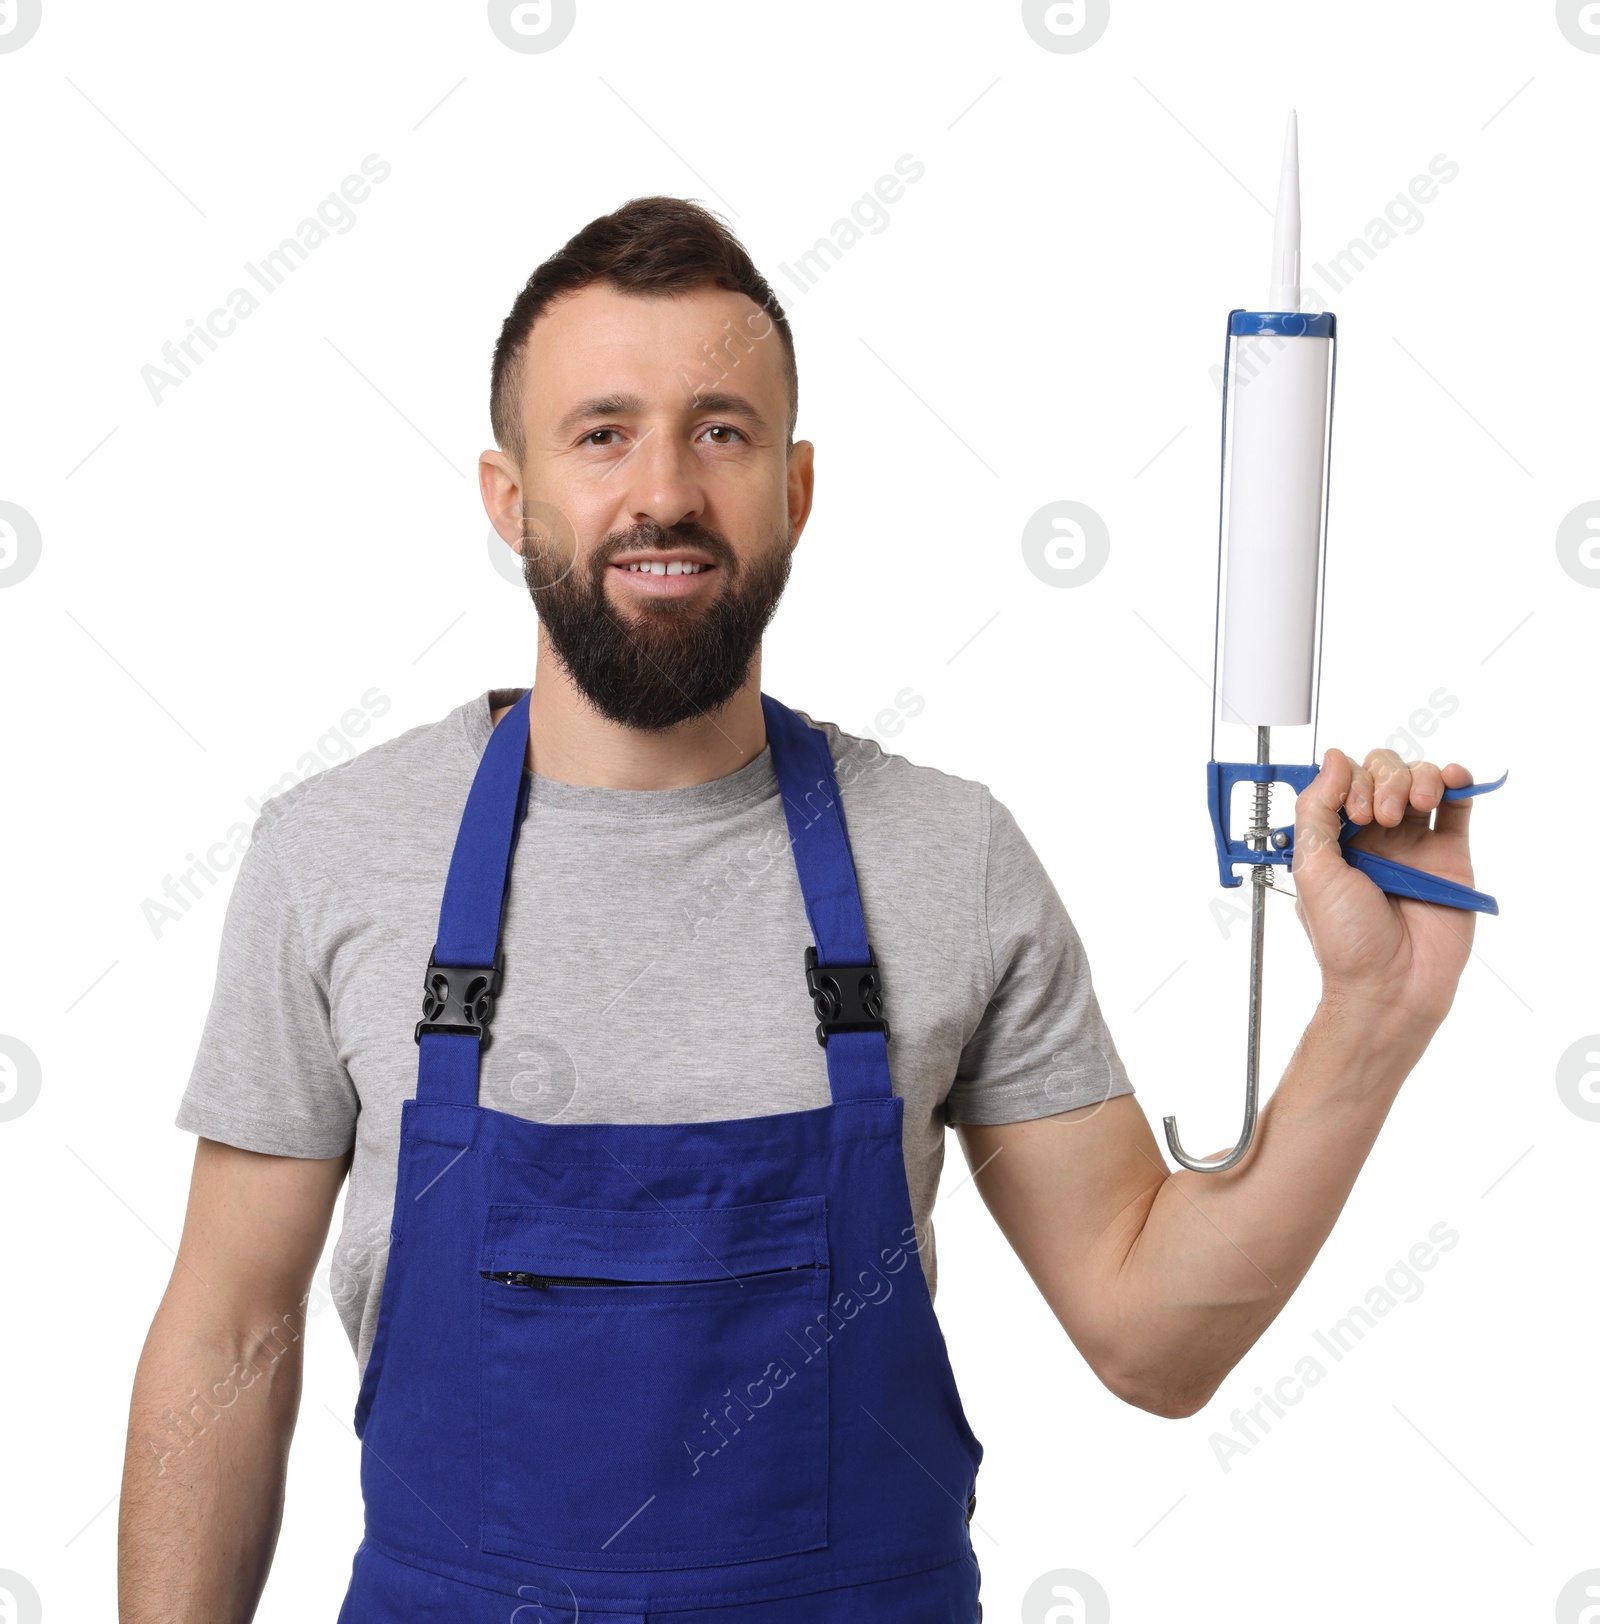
pixel 571 741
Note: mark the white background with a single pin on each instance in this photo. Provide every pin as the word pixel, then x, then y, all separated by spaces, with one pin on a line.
pixel 297 524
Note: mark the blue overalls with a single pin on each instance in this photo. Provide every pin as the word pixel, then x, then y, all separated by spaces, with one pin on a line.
pixel 683 1372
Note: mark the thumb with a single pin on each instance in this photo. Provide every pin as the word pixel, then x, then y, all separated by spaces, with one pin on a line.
pixel 1316 819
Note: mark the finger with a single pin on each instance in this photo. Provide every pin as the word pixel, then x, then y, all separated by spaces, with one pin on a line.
pixel 1427 787
pixel 1391 786
pixel 1358 803
pixel 1316 814
pixel 1452 816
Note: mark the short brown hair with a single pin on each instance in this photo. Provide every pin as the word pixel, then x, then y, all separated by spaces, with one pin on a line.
pixel 651 245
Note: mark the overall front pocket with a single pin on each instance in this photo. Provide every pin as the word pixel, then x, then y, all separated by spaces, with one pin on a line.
pixel 654 1384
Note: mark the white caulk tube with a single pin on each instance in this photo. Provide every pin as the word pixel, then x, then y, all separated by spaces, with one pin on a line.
pixel 1279 400
pixel 1278 382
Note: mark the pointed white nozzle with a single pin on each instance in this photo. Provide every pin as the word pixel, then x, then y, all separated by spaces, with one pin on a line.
pixel 1285 294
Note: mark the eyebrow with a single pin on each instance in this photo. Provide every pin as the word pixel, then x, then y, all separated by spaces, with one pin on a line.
pixel 617 405
pixel 720 400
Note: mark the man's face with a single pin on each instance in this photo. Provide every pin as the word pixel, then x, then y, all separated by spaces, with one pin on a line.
pixel 656 506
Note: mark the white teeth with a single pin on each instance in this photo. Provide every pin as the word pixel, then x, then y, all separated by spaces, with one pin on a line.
pixel 655 567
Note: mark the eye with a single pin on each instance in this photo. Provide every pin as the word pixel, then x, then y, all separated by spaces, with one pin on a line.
pixel 724 428
pixel 589 437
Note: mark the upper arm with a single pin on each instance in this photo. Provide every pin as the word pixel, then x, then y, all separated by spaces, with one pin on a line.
pixel 1044 1107
pixel 1071 1192
pixel 269 1075
pixel 1041 1045
pixel 253 1232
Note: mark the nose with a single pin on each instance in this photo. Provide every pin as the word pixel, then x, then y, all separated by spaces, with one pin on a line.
pixel 665 483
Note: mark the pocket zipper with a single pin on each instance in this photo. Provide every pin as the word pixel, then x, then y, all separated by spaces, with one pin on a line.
pixel 520 1278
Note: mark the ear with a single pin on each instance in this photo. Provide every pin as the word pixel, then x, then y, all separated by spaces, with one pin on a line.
pixel 802 479
pixel 500 485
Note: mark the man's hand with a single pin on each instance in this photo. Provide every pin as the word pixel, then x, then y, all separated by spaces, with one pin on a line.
pixel 1376 950
pixel 1164 1280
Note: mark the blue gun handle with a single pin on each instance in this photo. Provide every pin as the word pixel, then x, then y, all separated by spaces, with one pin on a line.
pixel 1396 878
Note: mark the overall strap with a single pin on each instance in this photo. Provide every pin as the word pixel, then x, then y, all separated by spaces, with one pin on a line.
pixel 463 976
pixel 841 972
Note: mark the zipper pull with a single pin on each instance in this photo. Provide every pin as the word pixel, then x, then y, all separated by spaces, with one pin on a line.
pixel 516 1277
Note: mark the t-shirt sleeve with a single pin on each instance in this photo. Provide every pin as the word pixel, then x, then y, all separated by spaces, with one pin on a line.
pixel 1042 1045
pixel 267 1076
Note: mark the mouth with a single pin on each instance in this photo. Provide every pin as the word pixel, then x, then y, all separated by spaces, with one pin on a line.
pixel 663 575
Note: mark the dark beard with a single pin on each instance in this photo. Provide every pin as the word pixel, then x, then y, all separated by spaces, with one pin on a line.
pixel 675 660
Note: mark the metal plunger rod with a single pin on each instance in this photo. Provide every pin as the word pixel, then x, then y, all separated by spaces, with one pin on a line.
pixel 1260 879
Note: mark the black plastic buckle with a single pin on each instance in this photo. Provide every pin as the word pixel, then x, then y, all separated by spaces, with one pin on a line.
pixel 460 998
pixel 846 997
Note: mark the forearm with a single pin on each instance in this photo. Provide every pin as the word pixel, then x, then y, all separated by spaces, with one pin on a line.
pixel 1219 1254
pixel 209 1429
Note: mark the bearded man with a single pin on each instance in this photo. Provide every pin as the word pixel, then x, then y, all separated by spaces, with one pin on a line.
pixel 636 1259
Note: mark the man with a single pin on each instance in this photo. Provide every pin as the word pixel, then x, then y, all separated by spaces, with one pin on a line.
pixel 640 1285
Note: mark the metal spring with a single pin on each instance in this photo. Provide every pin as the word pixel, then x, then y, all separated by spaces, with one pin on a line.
pixel 1261 828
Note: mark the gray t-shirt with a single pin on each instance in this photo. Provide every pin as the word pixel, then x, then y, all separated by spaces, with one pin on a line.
pixel 654 946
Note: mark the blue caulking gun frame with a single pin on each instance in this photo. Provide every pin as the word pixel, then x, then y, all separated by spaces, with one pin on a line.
pixel 1262 847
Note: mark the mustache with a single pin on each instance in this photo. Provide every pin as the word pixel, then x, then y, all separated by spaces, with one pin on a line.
pixel 653 537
